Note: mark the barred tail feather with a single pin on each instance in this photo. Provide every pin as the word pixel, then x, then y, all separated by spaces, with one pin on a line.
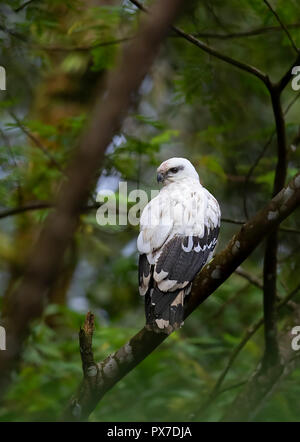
pixel 165 310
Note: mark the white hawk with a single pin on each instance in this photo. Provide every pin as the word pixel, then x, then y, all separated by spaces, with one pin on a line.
pixel 178 234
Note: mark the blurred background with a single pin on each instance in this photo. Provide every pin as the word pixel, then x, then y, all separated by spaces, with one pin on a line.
pixel 190 105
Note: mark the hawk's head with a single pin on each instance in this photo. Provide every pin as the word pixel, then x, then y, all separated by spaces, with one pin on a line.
pixel 175 170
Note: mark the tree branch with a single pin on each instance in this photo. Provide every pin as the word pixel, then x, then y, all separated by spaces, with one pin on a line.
pixel 40 205
pixel 248 33
pixel 286 78
pixel 84 48
pixel 210 50
pixel 261 155
pixel 251 170
pixel 285 29
pixel 118 364
pixel 251 278
pixel 24 5
pixel 271 355
pixel 37 142
pixel 241 222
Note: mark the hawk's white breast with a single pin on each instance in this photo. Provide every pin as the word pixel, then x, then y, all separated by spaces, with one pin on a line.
pixel 181 208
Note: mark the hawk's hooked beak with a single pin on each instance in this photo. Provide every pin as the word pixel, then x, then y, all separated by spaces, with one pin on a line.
pixel 160 177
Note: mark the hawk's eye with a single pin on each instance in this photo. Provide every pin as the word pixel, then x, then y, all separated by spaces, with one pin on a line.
pixel 174 170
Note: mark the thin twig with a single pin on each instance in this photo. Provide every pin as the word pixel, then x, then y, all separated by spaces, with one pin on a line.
pixel 210 50
pixel 260 156
pixel 241 222
pixel 286 78
pixel 251 278
pixel 283 26
pixel 225 304
pixel 26 208
pixel 231 387
pixel 289 230
pixel 24 5
pixel 233 221
pixel 218 21
pixel 292 102
pixel 83 48
pixel 36 141
pixel 251 170
pixel 39 205
pixel 248 33
pixel 272 355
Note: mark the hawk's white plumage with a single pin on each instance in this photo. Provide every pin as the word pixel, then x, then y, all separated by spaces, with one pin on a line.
pixel 178 234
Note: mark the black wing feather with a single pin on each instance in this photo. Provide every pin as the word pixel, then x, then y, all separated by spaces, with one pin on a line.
pixel 181 259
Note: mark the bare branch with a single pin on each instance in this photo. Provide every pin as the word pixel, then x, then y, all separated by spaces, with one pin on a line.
pixel 233 221
pixel 225 304
pixel 240 223
pixel 26 208
pixel 248 33
pixel 24 5
pixel 84 48
pixel 251 170
pixel 292 102
pixel 41 205
pixel 249 277
pixel 283 26
pixel 37 142
pixel 289 230
pixel 210 50
pixel 270 258
pixel 260 156
pixel 286 78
